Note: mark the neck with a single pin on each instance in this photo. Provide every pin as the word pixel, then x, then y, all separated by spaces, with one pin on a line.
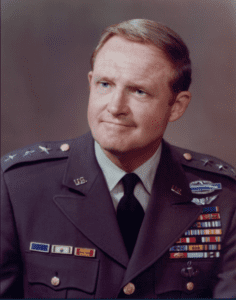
pixel 131 160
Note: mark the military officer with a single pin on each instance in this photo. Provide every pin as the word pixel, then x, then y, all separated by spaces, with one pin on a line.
pixel 119 212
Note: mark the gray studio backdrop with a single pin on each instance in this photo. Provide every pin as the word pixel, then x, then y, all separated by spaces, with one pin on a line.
pixel 46 47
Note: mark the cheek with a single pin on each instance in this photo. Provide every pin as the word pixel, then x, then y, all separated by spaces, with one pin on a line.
pixel 157 123
pixel 160 120
pixel 93 107
pixel 91 113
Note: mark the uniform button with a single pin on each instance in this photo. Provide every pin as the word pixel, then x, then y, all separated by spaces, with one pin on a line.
pixel 55 281
pixel 129 288
pixel 190 286
pixel 187 156
pixel 64 147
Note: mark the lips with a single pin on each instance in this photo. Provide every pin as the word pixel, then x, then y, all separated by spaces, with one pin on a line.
pixel 118 124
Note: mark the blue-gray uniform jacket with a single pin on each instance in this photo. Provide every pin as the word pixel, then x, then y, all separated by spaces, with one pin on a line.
pixel 60 237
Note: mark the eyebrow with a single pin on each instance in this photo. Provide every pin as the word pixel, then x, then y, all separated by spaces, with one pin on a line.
pixel 101 77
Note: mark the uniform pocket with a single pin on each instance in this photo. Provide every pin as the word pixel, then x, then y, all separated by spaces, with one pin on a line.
pixel 60 276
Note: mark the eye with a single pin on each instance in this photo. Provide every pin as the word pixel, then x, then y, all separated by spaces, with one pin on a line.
pixel 104 84
pixel 140 92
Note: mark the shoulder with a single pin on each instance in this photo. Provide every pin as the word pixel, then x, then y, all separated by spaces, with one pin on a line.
pixel 203 162
pixel 36 152
pixel 47 151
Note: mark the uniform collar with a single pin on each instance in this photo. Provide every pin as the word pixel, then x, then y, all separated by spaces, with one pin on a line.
pixel 82 163
pixel 113 174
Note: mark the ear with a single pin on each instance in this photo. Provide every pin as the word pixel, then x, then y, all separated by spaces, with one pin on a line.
pixel 90 75
pixel 180 105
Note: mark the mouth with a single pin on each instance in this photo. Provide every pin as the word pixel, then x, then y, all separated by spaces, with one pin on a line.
pixel 117 124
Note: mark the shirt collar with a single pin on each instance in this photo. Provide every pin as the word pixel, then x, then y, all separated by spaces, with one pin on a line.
pixel 113 174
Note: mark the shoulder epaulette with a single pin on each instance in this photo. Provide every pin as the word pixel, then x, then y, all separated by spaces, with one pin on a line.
pixel 36 152
pixel 206 163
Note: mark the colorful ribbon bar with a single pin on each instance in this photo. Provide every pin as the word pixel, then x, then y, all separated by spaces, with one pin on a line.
pixel 203 232
pixel 186 240
pixel 179 248
pixel 209 217
pixel 62 249
pixel 194 255
pixel 207 224
pixel 211 239
pixel 39 247
pixel 85 252
pixel 211 209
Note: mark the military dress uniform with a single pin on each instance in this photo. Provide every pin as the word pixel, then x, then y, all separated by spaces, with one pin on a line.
pixel 60 237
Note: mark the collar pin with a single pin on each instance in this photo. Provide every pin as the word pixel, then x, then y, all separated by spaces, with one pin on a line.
pixel 80 181
pixel 176 190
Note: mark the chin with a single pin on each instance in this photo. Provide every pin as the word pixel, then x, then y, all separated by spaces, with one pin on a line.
pixel 114 149
pixel 121 150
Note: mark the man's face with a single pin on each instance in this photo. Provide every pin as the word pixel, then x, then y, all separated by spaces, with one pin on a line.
pixel 129 95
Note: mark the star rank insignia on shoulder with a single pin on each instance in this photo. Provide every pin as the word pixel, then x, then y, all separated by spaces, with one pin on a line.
pixel 36 152
pixel 206 163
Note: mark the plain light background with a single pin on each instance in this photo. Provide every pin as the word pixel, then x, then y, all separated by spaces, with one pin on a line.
pixel 46 48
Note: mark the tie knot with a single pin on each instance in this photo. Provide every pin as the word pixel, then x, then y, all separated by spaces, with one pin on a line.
pixel 129 181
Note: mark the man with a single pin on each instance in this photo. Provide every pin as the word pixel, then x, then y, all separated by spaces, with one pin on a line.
pixel 121 213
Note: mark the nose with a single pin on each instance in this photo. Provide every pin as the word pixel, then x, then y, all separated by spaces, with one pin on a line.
pixel 118 103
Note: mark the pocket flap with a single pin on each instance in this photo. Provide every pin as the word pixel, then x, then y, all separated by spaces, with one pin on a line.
pixel 72 272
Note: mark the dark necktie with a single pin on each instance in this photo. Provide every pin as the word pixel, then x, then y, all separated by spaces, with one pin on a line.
pixel 129 212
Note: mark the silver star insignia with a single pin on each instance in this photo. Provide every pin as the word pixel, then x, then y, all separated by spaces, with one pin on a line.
pixel 221 167
pixel 206 161
pixel 28 152
pixel 10 157
pixel 44 149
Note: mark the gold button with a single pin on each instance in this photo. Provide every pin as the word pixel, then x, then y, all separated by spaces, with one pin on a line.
pixel 190 286
pixel 55 281
pixel 129 288
pixel 64 147
pixel 187 156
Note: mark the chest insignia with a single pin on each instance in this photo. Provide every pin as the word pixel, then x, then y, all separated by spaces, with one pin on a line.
pixel 204 187
pixel 204 201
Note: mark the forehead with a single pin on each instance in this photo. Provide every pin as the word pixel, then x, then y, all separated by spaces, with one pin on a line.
pixel 138 60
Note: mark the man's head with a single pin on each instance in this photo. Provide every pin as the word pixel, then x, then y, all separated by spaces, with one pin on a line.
pixel 131 100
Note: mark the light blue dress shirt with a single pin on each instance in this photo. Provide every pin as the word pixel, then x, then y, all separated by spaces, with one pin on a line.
pixel 114 174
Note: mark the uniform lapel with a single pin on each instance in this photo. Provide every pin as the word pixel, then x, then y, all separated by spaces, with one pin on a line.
pixel 90 206
pixel 168 216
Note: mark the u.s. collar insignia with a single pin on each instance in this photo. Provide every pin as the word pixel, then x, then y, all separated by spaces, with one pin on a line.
pixel 79 181
pixel 204 187
pixel 204 201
